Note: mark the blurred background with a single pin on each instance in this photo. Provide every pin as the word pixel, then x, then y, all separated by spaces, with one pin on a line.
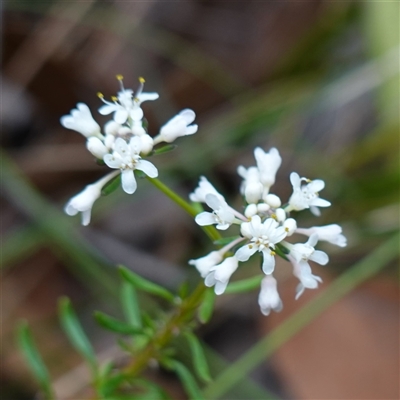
pixel 319 80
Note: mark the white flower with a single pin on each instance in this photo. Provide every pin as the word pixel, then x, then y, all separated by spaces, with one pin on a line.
pixel 83 201
pixel 251 187
pixel 272 200
pixel 263 237
pixel 126 157
pixel 97 147
pixel 220 275
pixel 303 252
pixel 268 164
pixel 204 264
pixel 290 226
pixel 147 143
pixel 126 104
pixel 328 233
pixel 306 196
pixel 203 189
pixel 268 298
pixel 177 126
pixel 222 215
pixel 81 120
pixel 307 279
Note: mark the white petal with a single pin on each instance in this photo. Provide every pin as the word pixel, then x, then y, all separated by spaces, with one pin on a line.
pixel 268 263
pixel 188 115
pixel 86 217
pixel 223 227
pixel 191 129
pixel 205 218
pixel 148 168
pixel 121 147
pixel 146 96
pixel 136 114
pixel 320 257
pixel 70 209
pixel 121 115
pixel 128 181
pixel 112 161
pixel 210 279
pixel 220 287
pixel 107 109
pixel 136 144
pixel 318 202
pixel 245 252
pixel 295 180
pixel 316 186
pixel 213 202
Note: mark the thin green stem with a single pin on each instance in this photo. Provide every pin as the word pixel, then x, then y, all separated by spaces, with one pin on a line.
pixel 173 326
pixel 344 284
pixel 210 231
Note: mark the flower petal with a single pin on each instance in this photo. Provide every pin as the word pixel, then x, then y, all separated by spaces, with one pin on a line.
pixel 220 287
pixel 121 115
pixel 205 218
pixel 245 252
pixel 319 257
pixel 128 181
pixel 148 168
pixel 268 263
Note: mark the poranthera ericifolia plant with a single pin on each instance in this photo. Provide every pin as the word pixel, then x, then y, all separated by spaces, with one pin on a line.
pixel 265 226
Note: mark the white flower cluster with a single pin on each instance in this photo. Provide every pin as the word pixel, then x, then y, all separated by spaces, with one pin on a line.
pixel 123 142
pixel 264 227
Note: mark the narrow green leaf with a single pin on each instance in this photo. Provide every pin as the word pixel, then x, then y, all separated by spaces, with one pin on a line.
pixel 145 285
pixel 111 384
pixel 28 347
pixel 245 285
pixel 207 306
pixel 111 186
pixel 187 379
pixel 225 240
pixel 75 333
pixel 153 391
pixel 130 305
pixel 199 359
pixel 164 149
pixel 281 251
pixel 115 325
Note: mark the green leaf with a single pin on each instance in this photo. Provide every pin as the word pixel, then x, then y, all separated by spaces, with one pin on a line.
pixel 245 285
pixel 199 359
pixel 164 149
pixel 207 306
pixel 130 305
pixel 111 186
pixel 225 240
pixel 187 379
pixel 281 251
pixel 28 347
pixel 115 325
pixel 145 285
pixel 75 333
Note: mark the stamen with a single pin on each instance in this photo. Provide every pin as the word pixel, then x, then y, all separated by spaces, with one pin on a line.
pixel 114 98
pixel 273 253
pixel 100 95
pixel 139 89
pixel 287 229
pixel 274 217
pixel 120 78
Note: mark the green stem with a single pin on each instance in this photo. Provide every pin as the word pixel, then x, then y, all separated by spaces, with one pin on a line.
pixel 343 285
pixel 210 231
pixel 172 327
